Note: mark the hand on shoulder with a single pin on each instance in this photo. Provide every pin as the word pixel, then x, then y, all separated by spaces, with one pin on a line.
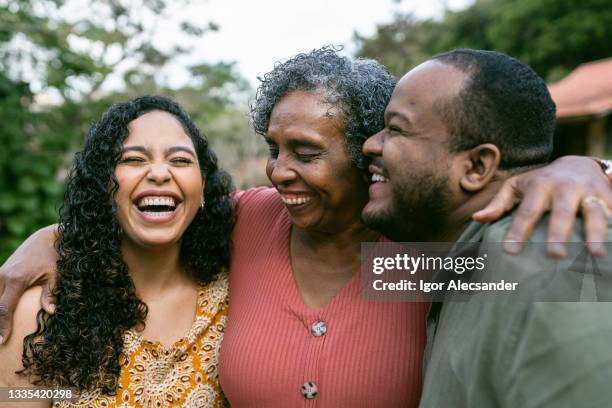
pixel 24 324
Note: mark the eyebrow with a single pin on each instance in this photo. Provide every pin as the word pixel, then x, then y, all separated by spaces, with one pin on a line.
pixel 170 150
pixel 175 149
pixel 303 143
pixel 294 143
pixel 398 115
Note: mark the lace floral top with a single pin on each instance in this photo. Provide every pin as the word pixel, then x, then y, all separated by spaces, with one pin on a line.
pixel 184 375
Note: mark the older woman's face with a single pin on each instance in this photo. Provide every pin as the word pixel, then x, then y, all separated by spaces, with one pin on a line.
pixel 309 164
pixel 160 185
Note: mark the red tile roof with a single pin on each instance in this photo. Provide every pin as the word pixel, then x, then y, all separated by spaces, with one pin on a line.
pixel 587 90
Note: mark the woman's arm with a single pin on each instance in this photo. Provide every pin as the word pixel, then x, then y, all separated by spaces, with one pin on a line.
pixel 10 355
pixel 33 263
pixel 25 323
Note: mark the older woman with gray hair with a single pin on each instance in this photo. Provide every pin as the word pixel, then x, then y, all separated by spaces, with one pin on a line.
pixel 298 332
pixel 298 329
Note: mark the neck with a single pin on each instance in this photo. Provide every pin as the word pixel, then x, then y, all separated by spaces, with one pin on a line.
pixel 153 270
pixel 349 237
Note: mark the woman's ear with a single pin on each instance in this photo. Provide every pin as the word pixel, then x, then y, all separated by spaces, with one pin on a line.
pixel 481 164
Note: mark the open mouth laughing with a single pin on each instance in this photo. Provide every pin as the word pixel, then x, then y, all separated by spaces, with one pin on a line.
pixel 157 206
pixel 377 174
pixel 295 200
pixel 379 178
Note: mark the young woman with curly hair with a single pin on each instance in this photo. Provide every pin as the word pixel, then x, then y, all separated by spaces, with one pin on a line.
pixel 141 296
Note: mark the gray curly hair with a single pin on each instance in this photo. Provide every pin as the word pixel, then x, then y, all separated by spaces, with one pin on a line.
pixel 359 89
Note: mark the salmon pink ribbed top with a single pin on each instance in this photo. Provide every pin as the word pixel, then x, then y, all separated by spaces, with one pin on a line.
pixel 358 354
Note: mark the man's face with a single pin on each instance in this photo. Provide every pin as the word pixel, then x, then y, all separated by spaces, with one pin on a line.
pixel 412 169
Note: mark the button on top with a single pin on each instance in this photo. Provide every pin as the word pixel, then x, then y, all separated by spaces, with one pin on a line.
pixel 318 328
pixel 309 390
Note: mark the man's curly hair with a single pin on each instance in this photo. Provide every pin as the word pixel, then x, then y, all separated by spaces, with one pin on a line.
pixel 359 89
pixel 79 345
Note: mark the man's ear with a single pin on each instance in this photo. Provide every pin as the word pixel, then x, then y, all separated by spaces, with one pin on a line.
pixel 481 164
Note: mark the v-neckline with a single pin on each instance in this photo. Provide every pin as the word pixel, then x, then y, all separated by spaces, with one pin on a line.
pixel 338 302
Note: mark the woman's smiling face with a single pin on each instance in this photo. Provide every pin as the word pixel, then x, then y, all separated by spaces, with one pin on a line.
pixel 160 183
pixel 309 164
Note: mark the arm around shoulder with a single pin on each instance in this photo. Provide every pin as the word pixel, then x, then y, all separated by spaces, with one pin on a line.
pixel 35 257
pixel 33 263
pixel 11 352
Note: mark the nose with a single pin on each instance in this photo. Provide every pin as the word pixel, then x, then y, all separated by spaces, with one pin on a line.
pixel 280 171
pixel 159 173
pixel 374 144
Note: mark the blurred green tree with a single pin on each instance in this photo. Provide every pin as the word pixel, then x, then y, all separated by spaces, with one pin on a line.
pixel 553 36
pixel 401 44
pixel 62 63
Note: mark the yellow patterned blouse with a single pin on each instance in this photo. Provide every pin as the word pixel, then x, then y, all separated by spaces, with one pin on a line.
pixel 183 376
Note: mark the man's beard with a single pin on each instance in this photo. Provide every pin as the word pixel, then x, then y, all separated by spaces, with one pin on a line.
pixel 418 209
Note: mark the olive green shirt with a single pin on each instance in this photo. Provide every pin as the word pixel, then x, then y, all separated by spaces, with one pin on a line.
pixel 520 353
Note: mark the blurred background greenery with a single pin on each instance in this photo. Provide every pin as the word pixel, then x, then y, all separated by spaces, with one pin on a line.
pixel 55 71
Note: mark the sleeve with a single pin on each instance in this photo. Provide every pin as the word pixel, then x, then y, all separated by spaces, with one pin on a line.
pixel 236 195
pixel 244 198
pixel 563 357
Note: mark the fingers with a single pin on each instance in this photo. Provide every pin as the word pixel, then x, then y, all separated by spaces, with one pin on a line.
pixel 595 216
pixel 606 196
pixel 8 302
pixel 564 187
pixel 505 200
pixel 562 219
pixel 534 205
pixel 47 300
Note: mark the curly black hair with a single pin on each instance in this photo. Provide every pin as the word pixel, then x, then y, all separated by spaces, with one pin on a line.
pixel 504 102
pixel 79 346
pixel 359 89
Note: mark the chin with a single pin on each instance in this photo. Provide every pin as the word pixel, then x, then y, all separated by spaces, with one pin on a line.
pixel 157 239
pixel 300 222
pixel 382 221
pixel 159 244
pixel 308 220
pixel 372 215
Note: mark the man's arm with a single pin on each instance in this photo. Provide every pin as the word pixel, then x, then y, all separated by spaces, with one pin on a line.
pixel 33 263
pixel 568 185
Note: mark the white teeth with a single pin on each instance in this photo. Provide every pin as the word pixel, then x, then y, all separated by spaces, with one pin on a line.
pixel 378 177
pixel 157 213
pixel 295 200
pixel 152 200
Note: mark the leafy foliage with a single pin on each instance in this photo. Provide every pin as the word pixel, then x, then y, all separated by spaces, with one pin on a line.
pixel 63 63
pixel 553 36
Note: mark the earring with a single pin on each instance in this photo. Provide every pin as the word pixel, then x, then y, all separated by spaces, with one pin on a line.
pixel 202 203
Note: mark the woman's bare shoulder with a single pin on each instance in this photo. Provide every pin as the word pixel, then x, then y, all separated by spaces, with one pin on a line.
pixel 24 323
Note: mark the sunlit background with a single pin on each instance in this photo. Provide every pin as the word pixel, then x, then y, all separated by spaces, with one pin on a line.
pixel 63 62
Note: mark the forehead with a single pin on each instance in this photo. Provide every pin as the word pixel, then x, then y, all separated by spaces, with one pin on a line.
pixel 426 84
pixel 306 115
pixel 157 128
pixel 302 105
